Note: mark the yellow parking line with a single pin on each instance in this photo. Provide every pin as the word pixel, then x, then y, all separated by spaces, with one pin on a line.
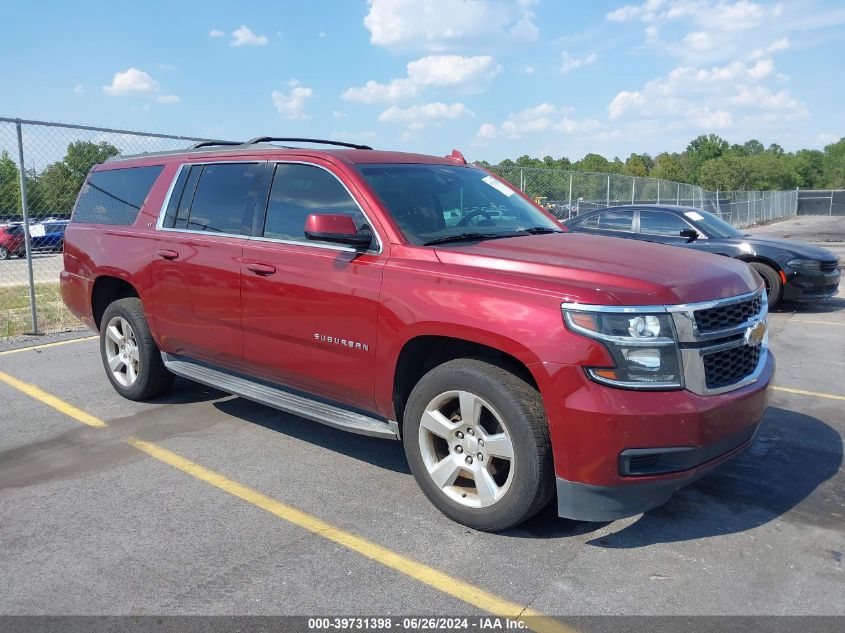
pixel 443 582
pixel 36 348
pixel 815 394
pixel 52 401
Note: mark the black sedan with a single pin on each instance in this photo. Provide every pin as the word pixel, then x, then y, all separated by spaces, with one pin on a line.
pixel 793 271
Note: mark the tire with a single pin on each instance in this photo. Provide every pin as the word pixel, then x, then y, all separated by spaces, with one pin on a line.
pixel 130 357
pixel 4 253
pixel 512 489
pixel 774 286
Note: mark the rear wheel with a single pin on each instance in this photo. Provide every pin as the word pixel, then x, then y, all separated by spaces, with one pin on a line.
pixel 771 277
pixel 130 356
pixel 4 253
pixel 477 442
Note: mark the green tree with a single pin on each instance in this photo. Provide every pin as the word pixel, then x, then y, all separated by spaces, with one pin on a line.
pixel 10 189
pixel 593 162
pixel 808 164
pixel 725 173
pixel 834 165
pixel 638 165
pixel 670 167
pixel 703 148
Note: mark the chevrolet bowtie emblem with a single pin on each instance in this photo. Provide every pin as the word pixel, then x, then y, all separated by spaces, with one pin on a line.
pixel 755 334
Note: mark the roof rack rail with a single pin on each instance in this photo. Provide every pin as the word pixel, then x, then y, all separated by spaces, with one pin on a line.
pixel 271 139
pixel 213 144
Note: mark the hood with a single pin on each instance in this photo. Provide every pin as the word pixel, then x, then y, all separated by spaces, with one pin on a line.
pixel 789 247
pixel 632 272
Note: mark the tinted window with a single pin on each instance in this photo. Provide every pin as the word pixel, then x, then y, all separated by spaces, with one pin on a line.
pixel 297 192
pixel 614 220
pixel 115 196
pixel 430 202
pixel 220 200
pixel 661 223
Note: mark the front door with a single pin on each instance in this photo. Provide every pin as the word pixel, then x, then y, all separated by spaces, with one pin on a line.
pixel 310 308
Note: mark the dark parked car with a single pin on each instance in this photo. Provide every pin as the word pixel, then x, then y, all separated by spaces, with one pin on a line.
pixel 793 271
pixel 45 236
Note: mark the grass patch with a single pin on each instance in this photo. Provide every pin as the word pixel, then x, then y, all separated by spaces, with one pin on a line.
pixel 15 317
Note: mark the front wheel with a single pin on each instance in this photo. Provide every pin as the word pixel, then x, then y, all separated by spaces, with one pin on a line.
pixel 771 277
pixel 477 442
pixel 130 356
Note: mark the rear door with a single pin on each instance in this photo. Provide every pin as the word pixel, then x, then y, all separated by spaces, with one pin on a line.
pixel 611 222
pixel 197 260
pixel 310 308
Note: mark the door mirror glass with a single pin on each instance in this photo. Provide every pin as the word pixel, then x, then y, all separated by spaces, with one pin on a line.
pixel 690 234
pixel 339 228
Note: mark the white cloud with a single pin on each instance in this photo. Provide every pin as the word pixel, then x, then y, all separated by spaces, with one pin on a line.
pixel 216 33
pixel 699 40
pixel 168 99
pixel 702 99
pixel 568 62
pixel 725 15
pixel 529 70
pixel 468 74
pixel 441 25
pixel 338 114
pixel 544 117
pixel 775 47
pixel 418 116
pixel 131 81
pixel 243 36
pixel 292 105
pixel 78 89
pixel 321 34
pixel 374 92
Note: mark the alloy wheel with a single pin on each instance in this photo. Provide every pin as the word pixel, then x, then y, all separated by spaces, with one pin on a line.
pixel 466 449
pixel 122 352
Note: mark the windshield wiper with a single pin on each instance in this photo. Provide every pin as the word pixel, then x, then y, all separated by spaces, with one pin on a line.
pixel 465 237
pixel 539 230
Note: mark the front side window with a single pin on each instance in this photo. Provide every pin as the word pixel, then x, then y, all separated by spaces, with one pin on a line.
pixel 662 223
pixel 115 196
pixel 220 200
pixel 436 202
pixel 300 190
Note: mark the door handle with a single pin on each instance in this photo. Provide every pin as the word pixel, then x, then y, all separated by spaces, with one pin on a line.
pixel 167 254
pixel 261 269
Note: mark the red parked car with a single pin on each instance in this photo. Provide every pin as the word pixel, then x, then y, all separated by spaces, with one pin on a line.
pixel 408 296
pixel 11 240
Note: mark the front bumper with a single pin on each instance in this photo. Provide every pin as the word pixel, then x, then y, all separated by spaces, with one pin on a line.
pixel 594 428
pixel 803 286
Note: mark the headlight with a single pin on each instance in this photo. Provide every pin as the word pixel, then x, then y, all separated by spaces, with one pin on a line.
pixel 643 346
pixel 808 265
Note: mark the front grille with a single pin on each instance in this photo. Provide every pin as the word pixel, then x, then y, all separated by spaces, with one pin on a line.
pixel 726 316
pixel 829 267
pixel 728 367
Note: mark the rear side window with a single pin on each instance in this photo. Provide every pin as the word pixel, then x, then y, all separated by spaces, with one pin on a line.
pixel 115 196
pixel 214 198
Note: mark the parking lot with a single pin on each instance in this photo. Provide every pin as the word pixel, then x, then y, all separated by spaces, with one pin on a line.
pixel 201 503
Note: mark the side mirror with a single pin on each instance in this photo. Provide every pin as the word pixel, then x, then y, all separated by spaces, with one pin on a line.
pixel 339 228
pixel 690 234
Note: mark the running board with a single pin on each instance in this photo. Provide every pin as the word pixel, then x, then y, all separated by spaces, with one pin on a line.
pixel 281 399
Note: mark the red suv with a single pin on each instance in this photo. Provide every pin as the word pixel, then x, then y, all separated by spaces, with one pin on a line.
pixel 408 296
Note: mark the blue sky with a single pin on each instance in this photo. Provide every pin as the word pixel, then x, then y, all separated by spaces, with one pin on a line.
pixel 494 78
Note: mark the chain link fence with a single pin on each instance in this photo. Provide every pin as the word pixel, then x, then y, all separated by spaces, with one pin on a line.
pixel 568 193
pixel 43 166
pixel 34 210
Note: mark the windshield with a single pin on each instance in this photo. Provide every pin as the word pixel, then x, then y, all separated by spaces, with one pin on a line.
pixel 433 203
pixel 711 225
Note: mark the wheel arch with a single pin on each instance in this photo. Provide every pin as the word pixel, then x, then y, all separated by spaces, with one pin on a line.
pixel 106 290
pixel 422 353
